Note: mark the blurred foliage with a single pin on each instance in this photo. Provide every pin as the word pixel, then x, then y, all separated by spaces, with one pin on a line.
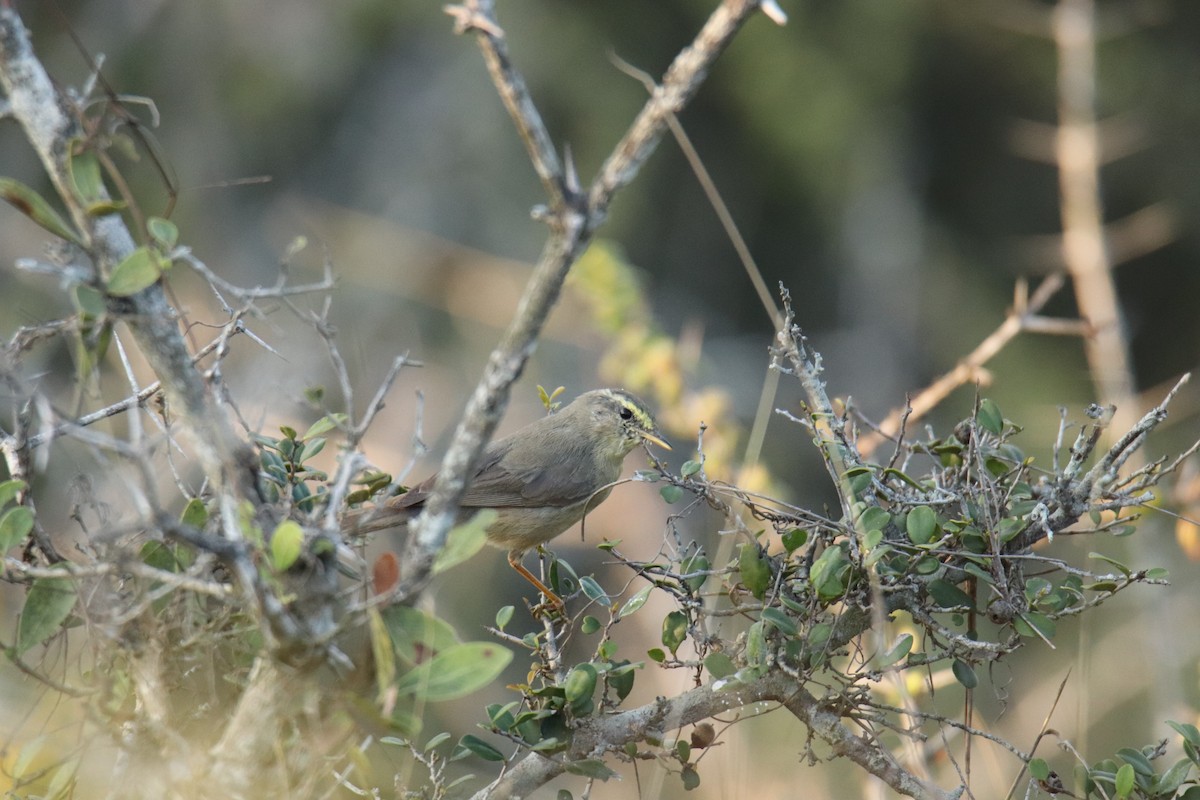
pixel 876 156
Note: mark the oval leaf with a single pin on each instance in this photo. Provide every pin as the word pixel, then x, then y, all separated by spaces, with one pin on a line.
pixel 287 542
pixel 898 651
pixel 989 416
pixel 34 206
pixel 140 269
pixel 719 665
pixel 163 231
pixel 456 672
pixel 503 617
pixel 194 514
pixel 9 490
pixel 964 674
pixel 1124 783
pixel 634 603
pixel 15 525
pixel 47 605
pixel 579 688
pixel 921 525
pixel 779 620
pixel 593 590
pixel 674 630
pixel 464 541
pixel 755 569
pixel 947 595
pixel 671 493
pixel 480 748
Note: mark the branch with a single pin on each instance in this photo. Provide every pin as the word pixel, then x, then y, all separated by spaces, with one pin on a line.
pixel 43 112
pixel 1021 318
pixel 572 219
pixel 596 736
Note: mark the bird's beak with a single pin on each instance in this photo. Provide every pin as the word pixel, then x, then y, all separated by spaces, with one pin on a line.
pixel 654 438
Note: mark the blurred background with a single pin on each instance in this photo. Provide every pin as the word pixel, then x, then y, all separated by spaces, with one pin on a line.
pixel 891 163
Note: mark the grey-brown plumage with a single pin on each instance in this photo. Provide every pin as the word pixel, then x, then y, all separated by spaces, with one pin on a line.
pixel 543 478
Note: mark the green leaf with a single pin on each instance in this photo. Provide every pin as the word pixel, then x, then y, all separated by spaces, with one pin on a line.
pixel 464 541
pixel 84 170
pixel 671 493
pixel 874 519
pixel 594 591
pixel 589 625
pixel 503 617
pixel 160 556
pixel 964 674
pixel 455 672
pixel 694 564
pixel 898 651
pixel 989 417
pixel 780 621
pixel 139 270
pixel 719 665
pixel 47 606
pixel 1189 732
pixel 194 514
pixel 921 525
pixel 794 539
pixel 34 206
pixel 1137 761
pixel 891 472
pixel 826 573
pixel 947 595
pixel 310 449
pixel 287 543
pixel 1039 769
pixel 324 425
pixel 634 603
pixel 15 525
pixel 579 687
pixel 979 572
pixel 755 569
pixel 656 655
pixel 590 768
pixel 416 635
pixel 383 650
pixel 435 741
pixel 1031 620
pixel 9 490
pixel 691 778
pixel 1126 571
pixel 690 468
pixel 1173 778
pixel 674 630
pixel 1124 782
pixel 164 232
pixel 621 677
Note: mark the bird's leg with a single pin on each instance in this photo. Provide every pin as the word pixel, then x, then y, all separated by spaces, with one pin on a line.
pixel 514 561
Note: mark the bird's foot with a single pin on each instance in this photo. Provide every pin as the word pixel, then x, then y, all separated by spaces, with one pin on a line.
pixel 549 607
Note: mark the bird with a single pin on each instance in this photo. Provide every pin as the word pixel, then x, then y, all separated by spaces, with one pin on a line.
pixel 542 479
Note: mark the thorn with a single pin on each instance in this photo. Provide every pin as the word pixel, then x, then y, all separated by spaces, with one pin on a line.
pixel 570 173
pixel 773 12
pixel 466 19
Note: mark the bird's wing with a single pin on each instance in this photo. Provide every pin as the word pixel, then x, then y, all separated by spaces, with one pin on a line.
pixel 505 482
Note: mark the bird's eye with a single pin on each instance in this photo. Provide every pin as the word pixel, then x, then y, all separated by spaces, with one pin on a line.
pixel 626 413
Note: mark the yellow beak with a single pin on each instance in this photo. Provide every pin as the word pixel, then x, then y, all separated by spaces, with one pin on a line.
pixel 655 439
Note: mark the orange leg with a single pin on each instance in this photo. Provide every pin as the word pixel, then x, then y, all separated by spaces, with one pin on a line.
pixel 514 561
